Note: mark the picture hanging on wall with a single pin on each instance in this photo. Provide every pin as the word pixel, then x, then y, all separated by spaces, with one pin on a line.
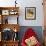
pixel 30 13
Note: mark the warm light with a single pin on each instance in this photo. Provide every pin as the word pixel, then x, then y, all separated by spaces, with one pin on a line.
pixel 12 10
pixel 15 30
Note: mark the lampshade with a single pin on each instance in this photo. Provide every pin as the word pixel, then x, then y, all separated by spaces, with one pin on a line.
pixel 15 30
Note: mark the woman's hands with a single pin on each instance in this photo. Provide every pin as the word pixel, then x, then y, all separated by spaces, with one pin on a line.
pixel 32 41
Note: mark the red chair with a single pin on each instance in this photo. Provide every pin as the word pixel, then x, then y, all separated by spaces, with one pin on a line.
pixel 29 33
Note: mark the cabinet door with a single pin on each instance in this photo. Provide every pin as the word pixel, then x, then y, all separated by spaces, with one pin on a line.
pixel 5 12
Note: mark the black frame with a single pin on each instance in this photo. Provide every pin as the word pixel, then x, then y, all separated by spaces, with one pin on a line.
pixel 26 13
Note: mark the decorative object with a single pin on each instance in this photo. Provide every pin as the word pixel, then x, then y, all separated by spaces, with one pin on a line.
pixel 6 21
pixel 5 12
pixel 30 13
pixel 13 12
pixel 15 3
pixel 15 37
pixel 7 34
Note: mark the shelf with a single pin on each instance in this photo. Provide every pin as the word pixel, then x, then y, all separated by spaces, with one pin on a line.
pixel 5 12
pixel 10 26
pixel 9 10
pixel 2 8
pixel 11 41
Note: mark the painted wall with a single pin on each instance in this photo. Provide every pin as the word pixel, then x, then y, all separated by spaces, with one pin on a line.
pixel 26 3
pixel 39 13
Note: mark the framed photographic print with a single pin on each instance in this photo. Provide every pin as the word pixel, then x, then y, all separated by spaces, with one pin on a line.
pixel 5 12
pixel 30 13
pixel 13 12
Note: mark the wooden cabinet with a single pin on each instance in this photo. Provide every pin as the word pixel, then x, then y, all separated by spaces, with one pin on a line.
pixel 10 43
pixel 7 26
pixel 44 37
pixel 44 7
pixel 6 12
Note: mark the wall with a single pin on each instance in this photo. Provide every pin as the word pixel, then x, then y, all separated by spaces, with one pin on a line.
pixel 39 13
pixel 27 3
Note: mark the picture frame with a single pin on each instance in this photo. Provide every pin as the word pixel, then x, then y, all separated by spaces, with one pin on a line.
pixel 5 12
pixel 13 12
pixel 30 13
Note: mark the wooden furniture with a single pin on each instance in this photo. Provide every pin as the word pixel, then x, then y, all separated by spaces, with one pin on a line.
pixel 5 13
pixel 11 26
pixel 10 43
pixel 44 8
